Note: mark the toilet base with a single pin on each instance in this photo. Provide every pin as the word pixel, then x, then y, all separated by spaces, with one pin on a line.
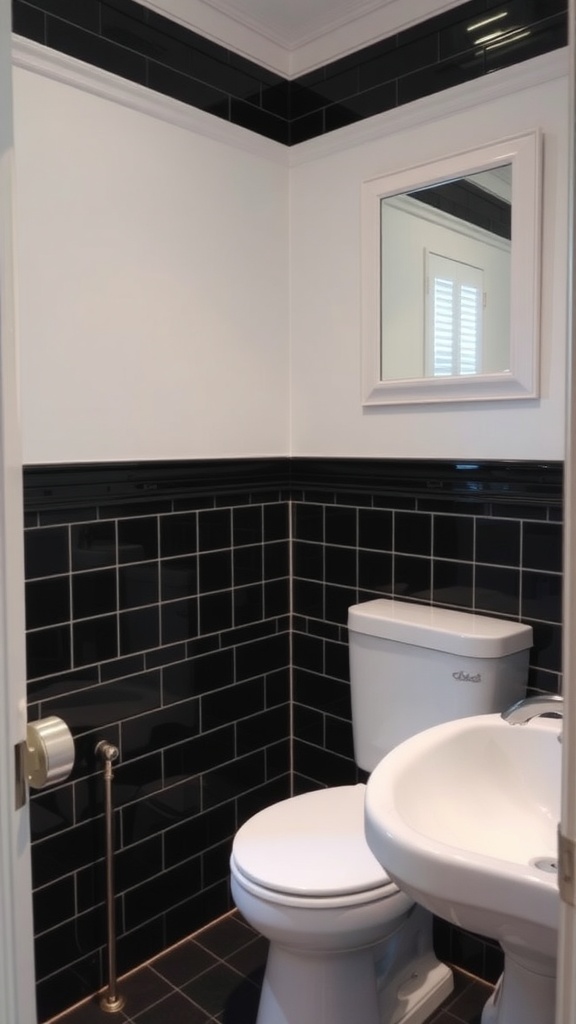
pixel 397 981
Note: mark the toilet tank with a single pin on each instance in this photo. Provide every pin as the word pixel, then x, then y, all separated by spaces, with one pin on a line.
pixel 413 666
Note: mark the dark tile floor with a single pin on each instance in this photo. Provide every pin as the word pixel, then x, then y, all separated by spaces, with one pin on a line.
pixel 215 976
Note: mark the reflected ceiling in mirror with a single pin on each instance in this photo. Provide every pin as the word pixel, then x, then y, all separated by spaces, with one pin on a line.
pixel 450 278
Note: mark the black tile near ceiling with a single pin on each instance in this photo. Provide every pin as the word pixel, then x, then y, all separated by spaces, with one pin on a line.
pixel 446 50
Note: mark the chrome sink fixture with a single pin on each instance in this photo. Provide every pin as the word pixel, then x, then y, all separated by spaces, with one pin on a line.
pixel 464 816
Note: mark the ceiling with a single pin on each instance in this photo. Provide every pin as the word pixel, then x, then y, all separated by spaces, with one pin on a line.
pixel 294 36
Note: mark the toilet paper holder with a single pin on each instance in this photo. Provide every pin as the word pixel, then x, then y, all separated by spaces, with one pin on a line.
pixel 45 757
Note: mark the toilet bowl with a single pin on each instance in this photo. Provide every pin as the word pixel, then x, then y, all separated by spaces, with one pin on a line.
pixel 346 943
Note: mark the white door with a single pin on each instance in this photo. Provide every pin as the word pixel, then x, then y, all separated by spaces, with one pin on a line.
pixel 17 998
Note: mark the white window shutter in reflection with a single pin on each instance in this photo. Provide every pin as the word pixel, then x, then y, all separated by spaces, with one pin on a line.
pixel 454 305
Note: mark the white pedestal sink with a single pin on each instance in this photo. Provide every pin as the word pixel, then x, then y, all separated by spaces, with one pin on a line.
pixel 464 819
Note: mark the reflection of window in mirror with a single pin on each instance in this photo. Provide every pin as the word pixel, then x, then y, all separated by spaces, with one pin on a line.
pixel 454 304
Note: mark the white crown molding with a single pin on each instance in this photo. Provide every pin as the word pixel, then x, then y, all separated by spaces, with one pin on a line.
pixel 52 64
pixel 41 60
pixel 530 73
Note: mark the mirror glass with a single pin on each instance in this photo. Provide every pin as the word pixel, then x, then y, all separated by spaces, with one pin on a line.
pixel 450 278
pixel 445 278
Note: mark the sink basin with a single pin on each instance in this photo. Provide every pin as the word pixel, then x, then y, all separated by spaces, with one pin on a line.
pixel 464 818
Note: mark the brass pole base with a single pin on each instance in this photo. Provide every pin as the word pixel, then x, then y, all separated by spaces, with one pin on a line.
pixel 111 1005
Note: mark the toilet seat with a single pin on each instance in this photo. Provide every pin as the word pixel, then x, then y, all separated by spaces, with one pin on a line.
pixel 310 850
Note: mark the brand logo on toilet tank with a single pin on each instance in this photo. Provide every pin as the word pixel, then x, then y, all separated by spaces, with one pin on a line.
pixel 467 677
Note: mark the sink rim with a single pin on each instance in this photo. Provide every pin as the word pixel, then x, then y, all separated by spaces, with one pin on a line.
pixel 431 870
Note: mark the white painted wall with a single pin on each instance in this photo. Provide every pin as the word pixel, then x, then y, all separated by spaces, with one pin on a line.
pixel 182 296
pixel 327 414
pixel 153 285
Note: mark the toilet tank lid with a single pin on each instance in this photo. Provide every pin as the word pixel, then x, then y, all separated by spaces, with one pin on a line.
pixel 439 629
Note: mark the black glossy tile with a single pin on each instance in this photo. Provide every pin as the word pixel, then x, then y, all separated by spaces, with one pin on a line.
pixel 304 128
pixel 87 46
pixel 64 988
pixel 266 729
pixel 248 525
pixel 412 576
pixel 542 546
pixel 541 596
pixel 178 534
pixel 276 525
pixel 207 672
pixel 341 526
pixel 51 812
pixel 256 120
pixel 214 571
pixel 322 694
pixel 179 620
pixel 184 962
pixel 276 559
pixel 200 754
pixel 188 90
pixel 200 832
pixel 28 21
pixel 95 640
pixel 266 655
pixel 121 27
pixel 48 651
pixel 437 77
pixel 325 767
pixel 375 529
pixel 542 37
pixel 277 597
pixel 453 583
pixel 248 604
pixel 413 533
pixel 375 572
pixel 53 903
pixel 46 551
pixel 161 728
pixel 94 593
pixel 340 566
pixel 47 602
pixel 60 854
pixel 93 545
pixel 137 539
pixel 404 59
pixel 138 585
pixel 214 529
pixel 497 590
pixel 453 537
pixel 151 898
pixel 86 14
pixel 337 600
pixel 498 541
pixel 215 612
pixel 177 1009
pixel 139 630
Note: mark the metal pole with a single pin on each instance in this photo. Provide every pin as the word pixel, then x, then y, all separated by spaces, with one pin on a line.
pixel 110 1002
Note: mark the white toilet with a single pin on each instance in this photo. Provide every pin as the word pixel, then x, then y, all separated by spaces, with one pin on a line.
pixel 346 945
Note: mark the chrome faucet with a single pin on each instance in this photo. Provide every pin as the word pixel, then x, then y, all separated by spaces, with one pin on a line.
pixel 531 707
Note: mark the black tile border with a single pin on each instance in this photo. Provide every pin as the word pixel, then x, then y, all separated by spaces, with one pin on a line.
pixel 130 40
pixel 150 486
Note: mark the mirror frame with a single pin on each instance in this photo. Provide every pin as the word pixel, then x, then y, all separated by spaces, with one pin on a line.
pixel 521 381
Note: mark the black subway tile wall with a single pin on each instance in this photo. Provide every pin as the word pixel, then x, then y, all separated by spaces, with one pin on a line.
pixel 353 547
pixel 131 40
pixel 167 633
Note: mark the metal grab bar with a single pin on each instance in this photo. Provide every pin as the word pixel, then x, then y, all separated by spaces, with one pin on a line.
pixel 110 1002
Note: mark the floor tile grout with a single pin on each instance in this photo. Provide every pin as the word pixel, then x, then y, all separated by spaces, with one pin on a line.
pixel 199 998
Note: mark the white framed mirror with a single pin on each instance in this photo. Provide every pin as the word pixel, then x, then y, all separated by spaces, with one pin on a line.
pixel 451 277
